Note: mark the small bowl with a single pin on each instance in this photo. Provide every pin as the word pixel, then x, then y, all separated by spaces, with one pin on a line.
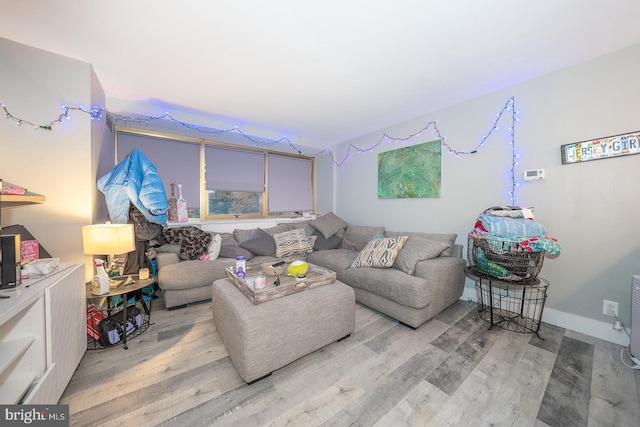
pixel 272 271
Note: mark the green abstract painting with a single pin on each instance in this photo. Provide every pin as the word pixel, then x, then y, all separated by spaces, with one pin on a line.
pixel 411 172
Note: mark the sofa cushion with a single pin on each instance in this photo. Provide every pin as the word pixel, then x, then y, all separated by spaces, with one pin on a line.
pixel 233 250
pixel 260 243
pixel 192 274
pixel 390 283
pixel 356 237
pixel 417 249
pixel 337 260
pixel 328 224
pixel 380 253
pixel 291 243
pixel 449 238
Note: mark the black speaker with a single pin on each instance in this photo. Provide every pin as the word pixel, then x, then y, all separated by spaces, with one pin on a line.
pixel 10 261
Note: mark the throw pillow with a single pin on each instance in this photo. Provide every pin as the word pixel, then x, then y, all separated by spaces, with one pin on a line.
pixel 323 244
pixel 242 234
pixel 356 237
pixel 378 235
pixel 448 238
pixel 290 243
pixel 328 224
pixel 418 249
pixel 280 228
pixel 260 243
pixel 214 249
pixel 380 253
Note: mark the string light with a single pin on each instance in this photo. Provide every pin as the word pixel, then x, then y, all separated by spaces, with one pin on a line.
pixel 94 112
pixel 97 113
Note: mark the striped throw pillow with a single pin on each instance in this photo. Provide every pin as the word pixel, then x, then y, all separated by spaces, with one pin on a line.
pixel 293 242
pixel 380 253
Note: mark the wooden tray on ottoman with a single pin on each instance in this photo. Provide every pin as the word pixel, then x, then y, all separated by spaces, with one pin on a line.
pixel 316 276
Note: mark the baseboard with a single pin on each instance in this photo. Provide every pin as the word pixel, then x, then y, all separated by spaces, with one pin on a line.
pixel 583 325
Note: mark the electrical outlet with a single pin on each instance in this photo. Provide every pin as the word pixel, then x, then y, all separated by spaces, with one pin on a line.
pixel 610 308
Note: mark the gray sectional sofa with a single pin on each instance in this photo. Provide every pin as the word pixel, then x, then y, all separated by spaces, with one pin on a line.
pixel 427 274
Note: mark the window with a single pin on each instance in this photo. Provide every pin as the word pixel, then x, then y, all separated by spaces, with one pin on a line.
pixel 235 181
pixel 235 203
pixel 223 180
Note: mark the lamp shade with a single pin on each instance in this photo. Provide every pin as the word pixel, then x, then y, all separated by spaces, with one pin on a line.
pixel 108 239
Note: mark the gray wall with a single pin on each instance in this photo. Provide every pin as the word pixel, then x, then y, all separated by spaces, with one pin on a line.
pixel 61 163
pixel 590 207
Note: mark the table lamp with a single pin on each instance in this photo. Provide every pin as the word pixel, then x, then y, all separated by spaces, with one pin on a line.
pixel 108 239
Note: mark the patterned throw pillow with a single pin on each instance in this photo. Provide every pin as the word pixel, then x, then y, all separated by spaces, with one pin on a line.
pixel 380 253
pixel 293 242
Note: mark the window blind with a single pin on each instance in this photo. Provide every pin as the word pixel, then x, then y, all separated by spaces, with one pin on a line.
pixel 229 169
pixel 290 184
pixel 176 161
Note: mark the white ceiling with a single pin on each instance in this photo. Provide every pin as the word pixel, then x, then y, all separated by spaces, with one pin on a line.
pixel 321 71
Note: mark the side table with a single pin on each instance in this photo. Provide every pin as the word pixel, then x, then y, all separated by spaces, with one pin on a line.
pixel 514 306
pixel 126 292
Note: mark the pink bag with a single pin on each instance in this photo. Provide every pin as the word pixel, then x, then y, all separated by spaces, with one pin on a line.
pixel 183 215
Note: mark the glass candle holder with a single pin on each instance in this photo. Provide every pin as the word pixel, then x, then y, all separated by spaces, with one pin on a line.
pixel 260 281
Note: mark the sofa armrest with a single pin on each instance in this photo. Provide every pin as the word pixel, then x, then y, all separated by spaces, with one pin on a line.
pixel 445 276
pixel 457 251
pixel 166 258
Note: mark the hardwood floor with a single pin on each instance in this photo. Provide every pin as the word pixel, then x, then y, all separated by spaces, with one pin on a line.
pixel 452 371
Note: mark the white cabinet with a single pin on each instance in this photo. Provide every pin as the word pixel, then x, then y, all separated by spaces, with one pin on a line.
pixel 42 336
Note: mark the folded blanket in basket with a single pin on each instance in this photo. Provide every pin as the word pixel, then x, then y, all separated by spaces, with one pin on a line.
pixel 511 227
pixel 489 267
pixel 549 245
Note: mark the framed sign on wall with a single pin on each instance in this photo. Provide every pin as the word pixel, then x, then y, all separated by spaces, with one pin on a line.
pixel 602 148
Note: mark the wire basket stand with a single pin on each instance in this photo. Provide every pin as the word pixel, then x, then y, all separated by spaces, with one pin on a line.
pixel 513 306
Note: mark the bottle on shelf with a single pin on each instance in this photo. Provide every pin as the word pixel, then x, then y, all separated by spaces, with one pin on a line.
pixel 102 285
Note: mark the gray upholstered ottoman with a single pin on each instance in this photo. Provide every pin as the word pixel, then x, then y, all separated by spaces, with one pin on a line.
pixel 264 337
